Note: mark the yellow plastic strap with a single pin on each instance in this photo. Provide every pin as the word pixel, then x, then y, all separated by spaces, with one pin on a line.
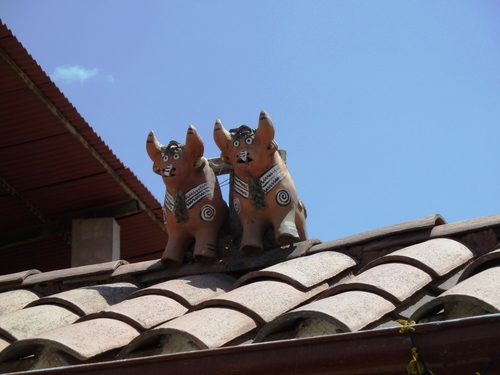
pixel 414 367
pixel 406 325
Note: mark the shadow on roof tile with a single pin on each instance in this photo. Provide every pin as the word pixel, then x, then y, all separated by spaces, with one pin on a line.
pixel 204 329
pixel 304 272
pixel 191 290
pixel 80 342
pixel 15 278
pixel 477 295
pixel 486 261
pixel 90 299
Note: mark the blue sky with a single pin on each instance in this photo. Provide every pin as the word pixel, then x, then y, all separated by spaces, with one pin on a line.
pixel 389 110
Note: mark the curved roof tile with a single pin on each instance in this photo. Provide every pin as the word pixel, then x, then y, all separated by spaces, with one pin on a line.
pixel 437 257
pixel 90 299
pixel 478 294
pixel 82 341
pixel 191 290
pixel 265 300
pixel 393 281
pixel 34 320
pixel 143 312
pixel 306 271
pixel 344 312
pixel 16 300
pixel 486 261
pixel 208 328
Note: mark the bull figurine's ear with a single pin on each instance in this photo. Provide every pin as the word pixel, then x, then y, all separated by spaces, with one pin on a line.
pixel 194 145
pixel 222 138
pixel 265 130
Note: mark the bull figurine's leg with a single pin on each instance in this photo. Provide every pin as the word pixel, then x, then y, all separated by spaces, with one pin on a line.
pixel 175 249
pixel 286 231
pixel 252 240
pixel 205 248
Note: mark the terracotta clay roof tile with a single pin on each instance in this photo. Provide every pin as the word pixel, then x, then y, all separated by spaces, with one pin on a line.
pixel 488 260
pixel 265 300
pixel 344 312
pixel 476 295
pixel 75 272
pixel 34 320
pixel 191 290
pixel 16 300
pixel 208 328
pixel 90 299
pixel 306 271
pixel 14 279
pixel 437 257
pixel 82 341
pixel 394 281
pixel 143 312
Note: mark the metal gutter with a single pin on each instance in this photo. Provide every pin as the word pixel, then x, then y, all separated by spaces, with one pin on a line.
pixel 462 346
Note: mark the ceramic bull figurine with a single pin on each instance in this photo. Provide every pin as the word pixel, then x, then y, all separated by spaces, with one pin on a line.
pixel 194 210
pixel 264 194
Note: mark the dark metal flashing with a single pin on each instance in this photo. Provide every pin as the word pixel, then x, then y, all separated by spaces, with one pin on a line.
pixel 462 346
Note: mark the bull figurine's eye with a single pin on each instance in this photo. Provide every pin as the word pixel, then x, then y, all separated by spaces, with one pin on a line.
pixel 236 143
pixel 249 140
pixel 165 157
pixel 176 156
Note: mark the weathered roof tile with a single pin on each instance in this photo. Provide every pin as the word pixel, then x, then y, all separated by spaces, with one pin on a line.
pixel 345 312
pixel 7 281
pixel 143 312
pixel 208 328
pixel 34 320
pixel 394 281
pixel 16 300
pixel 191 290
pixel 306 271
pixel 265 300
pixel 75 272
pixel 90 299
pixel 437 257
pixel 82 341
pixel 486 261
pixel 476 295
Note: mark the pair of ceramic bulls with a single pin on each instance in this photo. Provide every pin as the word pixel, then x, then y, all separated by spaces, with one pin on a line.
pixel 264 195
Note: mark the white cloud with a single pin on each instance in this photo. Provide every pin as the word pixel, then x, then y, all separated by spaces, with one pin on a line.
pixel 70 74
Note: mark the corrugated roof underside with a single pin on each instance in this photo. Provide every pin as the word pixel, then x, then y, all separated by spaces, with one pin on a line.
pixel 54 171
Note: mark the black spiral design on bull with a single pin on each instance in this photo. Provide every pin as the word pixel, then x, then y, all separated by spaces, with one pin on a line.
pixel 283 197
pixel 207 212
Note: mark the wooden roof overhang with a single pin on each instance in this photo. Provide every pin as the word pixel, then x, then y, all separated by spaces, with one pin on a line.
pixel 54 168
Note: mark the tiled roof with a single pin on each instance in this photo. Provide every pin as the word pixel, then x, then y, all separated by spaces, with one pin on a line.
pixel 432 272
